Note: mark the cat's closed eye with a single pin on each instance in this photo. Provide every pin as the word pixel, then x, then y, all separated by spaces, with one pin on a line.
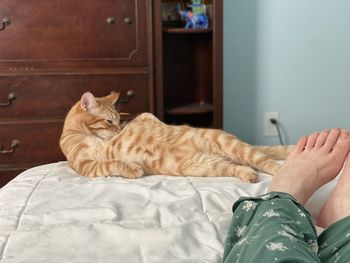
pixel 110 122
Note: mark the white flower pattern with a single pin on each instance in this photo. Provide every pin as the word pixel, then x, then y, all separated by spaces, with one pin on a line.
pixel 313 246
pixel 301 213
pixel 271 213
pixel 276 246
pixel 240 230
pixel 289 234
pixel 249 205
pixel 265 197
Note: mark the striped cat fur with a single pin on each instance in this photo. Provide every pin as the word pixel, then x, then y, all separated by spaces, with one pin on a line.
pixel 96 145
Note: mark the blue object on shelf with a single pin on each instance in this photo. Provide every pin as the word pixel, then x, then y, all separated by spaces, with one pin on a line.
pixel 195 18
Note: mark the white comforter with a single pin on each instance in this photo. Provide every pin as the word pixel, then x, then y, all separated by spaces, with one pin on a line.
pixel 50 214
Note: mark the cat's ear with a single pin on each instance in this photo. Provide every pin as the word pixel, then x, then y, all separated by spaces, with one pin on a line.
pixel 87 101
pixel 114 97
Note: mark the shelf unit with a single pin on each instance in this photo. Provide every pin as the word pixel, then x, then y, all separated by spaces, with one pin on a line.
pixel 188 70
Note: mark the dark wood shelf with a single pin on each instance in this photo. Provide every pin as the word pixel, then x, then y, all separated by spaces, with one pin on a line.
pixel 181 30
pixel 188 66
pixel 192 108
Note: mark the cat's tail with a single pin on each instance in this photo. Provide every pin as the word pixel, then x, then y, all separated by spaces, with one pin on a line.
pixel 276 152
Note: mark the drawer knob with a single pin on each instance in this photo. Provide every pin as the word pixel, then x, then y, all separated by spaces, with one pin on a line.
pixel 129 95
pixel 14 145
pixel 6 21
pixel 128 20
pixel 10 98
pixel 110 20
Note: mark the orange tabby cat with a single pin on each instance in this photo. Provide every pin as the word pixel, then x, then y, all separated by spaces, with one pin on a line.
pixel 95 145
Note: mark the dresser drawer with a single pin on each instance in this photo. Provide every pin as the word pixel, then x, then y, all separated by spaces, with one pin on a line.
pixel 38 142
pixel 107 32
pixel 8 173
pixel 53 96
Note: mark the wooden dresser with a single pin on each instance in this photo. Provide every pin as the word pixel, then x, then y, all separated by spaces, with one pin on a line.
pixel 52 51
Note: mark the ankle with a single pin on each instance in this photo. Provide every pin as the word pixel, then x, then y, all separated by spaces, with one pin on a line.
pixel 298 190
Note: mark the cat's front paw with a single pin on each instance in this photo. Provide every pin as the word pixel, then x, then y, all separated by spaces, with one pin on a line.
pixel 133 171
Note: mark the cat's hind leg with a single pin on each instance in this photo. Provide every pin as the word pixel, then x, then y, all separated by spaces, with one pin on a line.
pixel 226 144
pixel 215 165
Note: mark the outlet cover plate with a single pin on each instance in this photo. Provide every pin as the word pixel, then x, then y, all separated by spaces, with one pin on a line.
pixel 270 128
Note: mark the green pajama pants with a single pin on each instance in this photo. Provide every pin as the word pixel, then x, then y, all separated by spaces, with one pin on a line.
pixel 275 228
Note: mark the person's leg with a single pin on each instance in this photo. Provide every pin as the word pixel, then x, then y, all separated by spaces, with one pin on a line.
pixel 334 241
pixel 270 228
pixel 276 227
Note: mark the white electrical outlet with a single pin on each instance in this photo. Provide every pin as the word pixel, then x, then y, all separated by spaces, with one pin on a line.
pixel 270 128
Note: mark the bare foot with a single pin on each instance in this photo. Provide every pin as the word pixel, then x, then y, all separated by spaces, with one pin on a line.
pixel 338 205
pixel 314 161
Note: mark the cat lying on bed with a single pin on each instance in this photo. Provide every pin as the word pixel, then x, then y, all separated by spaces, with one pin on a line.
pixel 95 145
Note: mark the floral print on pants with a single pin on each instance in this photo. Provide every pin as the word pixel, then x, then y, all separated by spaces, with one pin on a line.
pixel 276 228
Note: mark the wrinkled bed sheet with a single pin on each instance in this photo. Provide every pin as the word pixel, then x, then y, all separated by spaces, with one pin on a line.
pixel 50 214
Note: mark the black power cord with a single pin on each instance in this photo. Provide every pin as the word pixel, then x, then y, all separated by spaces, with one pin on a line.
pixel 275 122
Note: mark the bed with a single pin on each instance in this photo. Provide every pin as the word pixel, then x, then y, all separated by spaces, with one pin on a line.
pixel 50 214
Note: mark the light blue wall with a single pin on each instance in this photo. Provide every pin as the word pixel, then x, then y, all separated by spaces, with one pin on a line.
pixel 290 56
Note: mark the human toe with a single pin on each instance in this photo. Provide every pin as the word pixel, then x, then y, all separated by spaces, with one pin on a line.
pixel 299 147
pixel 331 140
pixel 321 138
pixel 311 140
